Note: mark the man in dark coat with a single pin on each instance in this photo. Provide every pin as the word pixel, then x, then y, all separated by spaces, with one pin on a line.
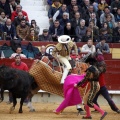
pixel 45 36
pixel 10 30
pixel 56 30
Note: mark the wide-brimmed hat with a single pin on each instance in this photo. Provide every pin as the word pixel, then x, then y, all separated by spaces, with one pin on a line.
pixel 64 39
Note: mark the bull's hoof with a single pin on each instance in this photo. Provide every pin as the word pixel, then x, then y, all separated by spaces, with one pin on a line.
pixel 11 109
pixel 32 110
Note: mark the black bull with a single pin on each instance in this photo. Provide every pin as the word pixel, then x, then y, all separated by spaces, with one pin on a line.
pixel 18 82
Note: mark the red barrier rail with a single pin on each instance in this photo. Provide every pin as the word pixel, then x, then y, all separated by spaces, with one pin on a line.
pixel 112 75
pixel 39 43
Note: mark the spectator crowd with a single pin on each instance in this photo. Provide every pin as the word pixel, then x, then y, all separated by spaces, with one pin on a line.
pixel 80 19
pixel 84 19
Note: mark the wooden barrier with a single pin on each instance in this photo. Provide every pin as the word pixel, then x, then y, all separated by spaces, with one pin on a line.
pixel 39 43
pixel 112 75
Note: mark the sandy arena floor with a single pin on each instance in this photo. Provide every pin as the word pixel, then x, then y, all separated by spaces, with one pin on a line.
pixel 44 112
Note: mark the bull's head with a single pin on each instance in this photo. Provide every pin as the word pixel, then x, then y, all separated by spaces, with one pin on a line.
pixel 6 76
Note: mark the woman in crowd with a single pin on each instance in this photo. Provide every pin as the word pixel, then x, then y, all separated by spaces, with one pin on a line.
pixel 32 36
pixel 35 27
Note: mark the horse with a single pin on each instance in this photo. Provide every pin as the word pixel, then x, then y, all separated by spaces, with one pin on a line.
pixel 18 82
pixel 48 76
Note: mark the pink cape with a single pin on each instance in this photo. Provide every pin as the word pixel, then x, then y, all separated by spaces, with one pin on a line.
pixel 71 94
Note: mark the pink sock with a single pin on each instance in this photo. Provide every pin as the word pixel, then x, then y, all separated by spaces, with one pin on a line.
pixel 98 109
pixel 87 111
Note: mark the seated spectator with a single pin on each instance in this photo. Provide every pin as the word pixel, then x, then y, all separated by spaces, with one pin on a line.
pixel 35 27
pixel 105 34
pixel 90 14
pixel 109 21
pixel 69 30
pixel 59 13
pixel 85 5
pixel 102 46
pixel 89 47
pixel 115 30
pixel 72 13
pixel 116 38
pixel 101 6
pixel 94 19
pixel 22 30
pixel 74 56
pixel 18 19
pixel 76 20
pixel 32 36
pixel 95 30
pixel 88 35
pixel 117 15
pixel 103 16
pixel 43 53
pixel 70 7
pixel 18 64
pixel 53 8
pixel 15 13
pixel 80 31
pixel 3 18
pixel 12 5
pixel 64 19
pixel 56 30
pixel 114 6
pixel 4 7
pixel 109 30
pixel 10 30
pixel 45 36
pixel 18 52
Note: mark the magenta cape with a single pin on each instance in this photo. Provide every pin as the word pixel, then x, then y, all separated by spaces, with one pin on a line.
pixel 71 94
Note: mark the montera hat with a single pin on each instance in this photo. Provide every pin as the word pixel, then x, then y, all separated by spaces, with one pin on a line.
pixel 64 39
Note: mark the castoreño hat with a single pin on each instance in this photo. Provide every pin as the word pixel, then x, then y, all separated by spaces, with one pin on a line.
pixel 64 39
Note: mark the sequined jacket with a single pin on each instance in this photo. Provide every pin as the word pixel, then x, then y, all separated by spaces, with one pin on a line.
pixel 92 74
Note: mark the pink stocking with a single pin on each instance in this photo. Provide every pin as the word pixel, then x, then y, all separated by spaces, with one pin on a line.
pixel 87 109
pixel 98 109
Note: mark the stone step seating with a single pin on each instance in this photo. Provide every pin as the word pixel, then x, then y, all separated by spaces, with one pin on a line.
pixel 37 9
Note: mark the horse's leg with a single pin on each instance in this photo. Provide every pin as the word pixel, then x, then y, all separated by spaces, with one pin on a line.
pixel 14 103
pixel 30 106
pixel 30 95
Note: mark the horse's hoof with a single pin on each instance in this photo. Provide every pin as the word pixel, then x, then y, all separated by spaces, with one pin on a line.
pixel 1 100
pixel 11 109
pixel 20 111
pixel 32 110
